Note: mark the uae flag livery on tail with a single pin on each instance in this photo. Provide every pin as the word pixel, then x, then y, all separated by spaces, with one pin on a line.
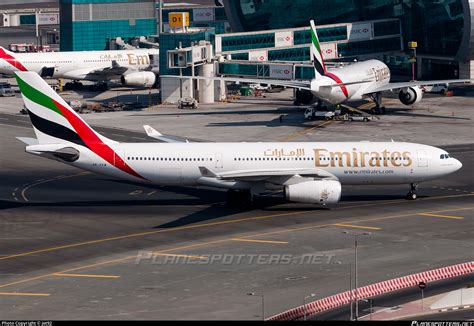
pixel 55 122
pixel 317 54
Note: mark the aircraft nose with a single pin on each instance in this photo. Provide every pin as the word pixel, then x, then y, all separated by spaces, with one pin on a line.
pixel 457 165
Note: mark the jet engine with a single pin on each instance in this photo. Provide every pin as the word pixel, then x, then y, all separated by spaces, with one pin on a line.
pixel 411 95
pixel 143 78
pixel 314 192
pixel 305 97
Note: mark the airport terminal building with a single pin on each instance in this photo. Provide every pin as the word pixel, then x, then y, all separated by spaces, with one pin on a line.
pixel 444 30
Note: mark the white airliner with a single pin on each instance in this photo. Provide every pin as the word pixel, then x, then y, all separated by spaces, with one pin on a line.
pixel 133 67
pixel 306 172
pixel 350 83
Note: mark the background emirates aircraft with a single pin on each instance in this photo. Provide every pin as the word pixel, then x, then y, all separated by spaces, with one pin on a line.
pixel 133 67
pixel 306 172
pixel 346 84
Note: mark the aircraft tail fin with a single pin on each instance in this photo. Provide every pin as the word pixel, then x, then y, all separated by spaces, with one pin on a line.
pixel 53 120
pixel 316 53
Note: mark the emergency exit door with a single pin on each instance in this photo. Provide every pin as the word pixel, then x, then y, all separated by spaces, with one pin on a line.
pixel 219 161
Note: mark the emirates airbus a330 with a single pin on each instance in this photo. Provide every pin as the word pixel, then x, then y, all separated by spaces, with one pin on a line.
pixel 134 68
pixel 350 83
pixel 307 172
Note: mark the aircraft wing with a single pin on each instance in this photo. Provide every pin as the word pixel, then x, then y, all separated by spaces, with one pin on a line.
pixel 151 132
pixel 108 72
pixel 275 82
pixel 395 86
pixel 264 174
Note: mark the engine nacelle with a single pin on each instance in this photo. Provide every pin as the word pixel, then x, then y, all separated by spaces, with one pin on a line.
pixel 411 95
pixel 305 97
pixel 321 192
pixel 143 78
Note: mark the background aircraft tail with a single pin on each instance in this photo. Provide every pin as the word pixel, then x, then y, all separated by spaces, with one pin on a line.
pixel 316 53
pixel 53 120
pixel 9 57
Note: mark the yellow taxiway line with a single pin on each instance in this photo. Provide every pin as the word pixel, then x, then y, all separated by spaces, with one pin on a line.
pixel 301 133
pixel 260 241
pixel 204 225
pixel 442 216
pixel 201 244
pixel 357 226
pixel 86 275
pixel 178 255
pixel 25 294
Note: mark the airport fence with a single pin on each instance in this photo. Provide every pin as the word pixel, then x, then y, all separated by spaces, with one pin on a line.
pixel 372 290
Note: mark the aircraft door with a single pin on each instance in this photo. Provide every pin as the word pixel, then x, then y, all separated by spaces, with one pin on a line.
pixel 422 158
pixel 119 158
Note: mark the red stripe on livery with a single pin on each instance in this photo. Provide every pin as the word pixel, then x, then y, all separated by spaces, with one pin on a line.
pixel 339 81
pixel 94 143
pixel 11 60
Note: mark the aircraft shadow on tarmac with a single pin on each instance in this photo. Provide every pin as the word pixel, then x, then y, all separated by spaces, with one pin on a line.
pixel 236 111
pixel 407 112
pixel 216 208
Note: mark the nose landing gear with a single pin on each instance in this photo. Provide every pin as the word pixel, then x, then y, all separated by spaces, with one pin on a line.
pixel 412 195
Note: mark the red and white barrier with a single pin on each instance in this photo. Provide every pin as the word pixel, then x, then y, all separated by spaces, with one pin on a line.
pixel 368 291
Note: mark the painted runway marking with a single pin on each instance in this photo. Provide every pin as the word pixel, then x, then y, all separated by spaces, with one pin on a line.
pixel 123 259
pixel 160 253
pixel 42 181
pixel 302 133
pixel 26 294
pixel 86 275
pixel 357 226
pixel 260 241
pixel 442 216
pixel 245 219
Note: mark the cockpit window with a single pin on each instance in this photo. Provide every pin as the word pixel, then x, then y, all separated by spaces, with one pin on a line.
pixel 444 156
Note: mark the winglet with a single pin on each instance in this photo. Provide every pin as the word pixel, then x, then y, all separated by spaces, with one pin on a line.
pixel 151 132
pixel 205 172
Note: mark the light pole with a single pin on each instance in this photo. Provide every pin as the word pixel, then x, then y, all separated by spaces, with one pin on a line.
pixel 350 291
pixel 370 302
pixel 263 302
pixel 312 295
pixel 413 45
pixel 356 292
pixel 160 28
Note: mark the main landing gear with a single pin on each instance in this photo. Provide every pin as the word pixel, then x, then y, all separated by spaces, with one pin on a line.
pixel 412 194
pixel 377 98
pixel 239 199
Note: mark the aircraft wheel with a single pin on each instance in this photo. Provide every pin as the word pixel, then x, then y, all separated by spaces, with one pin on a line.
pixel 412 195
